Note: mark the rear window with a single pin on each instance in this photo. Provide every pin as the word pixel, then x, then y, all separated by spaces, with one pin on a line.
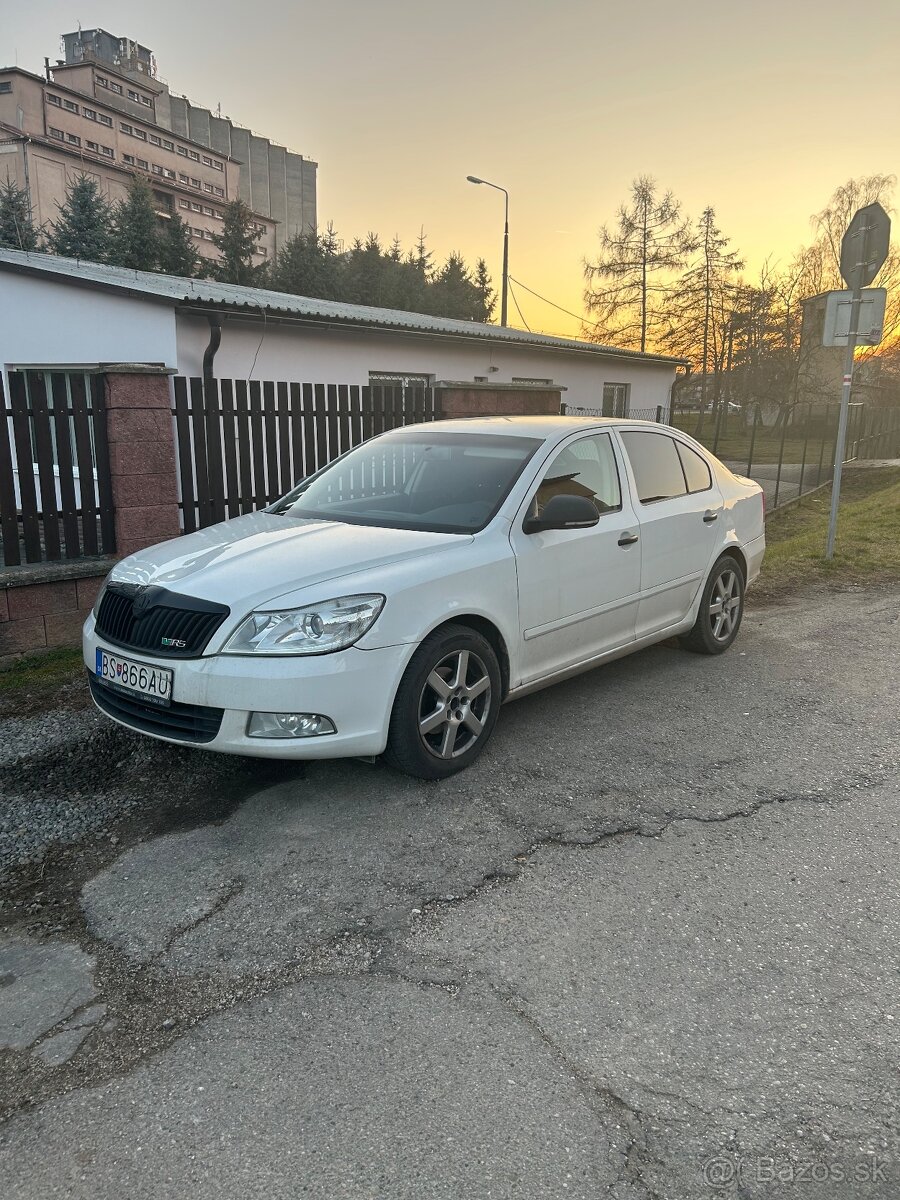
pixel 656 466
pixel 696 469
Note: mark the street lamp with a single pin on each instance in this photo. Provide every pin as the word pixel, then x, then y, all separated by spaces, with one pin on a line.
pixel 475 179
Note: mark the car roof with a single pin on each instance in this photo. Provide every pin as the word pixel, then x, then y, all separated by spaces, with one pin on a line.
pixel 544 427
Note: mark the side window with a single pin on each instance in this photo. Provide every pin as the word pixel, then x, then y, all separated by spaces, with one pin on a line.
pixel 696 469
pixel 656 466
pixel 583 468
pixel 615 399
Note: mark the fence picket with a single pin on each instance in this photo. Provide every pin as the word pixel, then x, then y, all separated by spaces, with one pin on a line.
pixel 31 526
pixel 189 489
pixel 9 520
pixel 59 394
pixel 101 454
pixel 81 422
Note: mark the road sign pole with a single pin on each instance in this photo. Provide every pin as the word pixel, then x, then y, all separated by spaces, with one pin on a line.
pixel 863 250
pixel 842 423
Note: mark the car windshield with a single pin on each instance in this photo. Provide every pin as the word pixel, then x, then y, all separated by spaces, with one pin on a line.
pixel 436 482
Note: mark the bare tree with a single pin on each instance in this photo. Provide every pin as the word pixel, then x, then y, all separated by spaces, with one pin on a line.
pixel 633 271
pixel 697 315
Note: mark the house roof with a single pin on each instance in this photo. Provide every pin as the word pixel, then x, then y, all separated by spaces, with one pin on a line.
pixel 206 294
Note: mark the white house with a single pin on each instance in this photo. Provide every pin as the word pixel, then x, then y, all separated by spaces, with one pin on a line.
pixel 63 312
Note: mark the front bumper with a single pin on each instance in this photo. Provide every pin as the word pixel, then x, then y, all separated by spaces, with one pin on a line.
pixel 354 687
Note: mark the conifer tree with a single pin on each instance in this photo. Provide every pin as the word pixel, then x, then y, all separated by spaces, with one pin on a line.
pixel 177 255
pixel 17 231
pixel 84 227
pixel 237 244
pixel 135 241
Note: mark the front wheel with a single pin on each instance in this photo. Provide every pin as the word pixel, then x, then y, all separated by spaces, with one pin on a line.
pixel 721 609
pixel 446 705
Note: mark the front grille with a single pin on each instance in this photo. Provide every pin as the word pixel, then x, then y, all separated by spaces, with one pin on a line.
pixel 141 617
pixel 184 722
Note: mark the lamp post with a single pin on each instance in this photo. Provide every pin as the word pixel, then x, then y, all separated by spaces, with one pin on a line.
pixel 505 286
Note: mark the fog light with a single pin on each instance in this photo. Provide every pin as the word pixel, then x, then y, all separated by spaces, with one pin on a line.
pixel 289 725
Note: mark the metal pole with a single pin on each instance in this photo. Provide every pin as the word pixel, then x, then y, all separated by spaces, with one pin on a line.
pixel 846 389
pixel 505 261
pixel 842 422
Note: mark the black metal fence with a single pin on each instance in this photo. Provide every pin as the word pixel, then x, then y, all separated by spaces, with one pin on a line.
pixel 242 444
pixel 55 490
pixel 787 453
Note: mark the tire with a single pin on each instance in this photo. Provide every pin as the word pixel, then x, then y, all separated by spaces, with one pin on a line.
pixel 721 609
pixel 442 716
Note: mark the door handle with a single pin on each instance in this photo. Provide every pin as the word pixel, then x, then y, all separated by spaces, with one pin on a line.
pixel 628 539
pixel 710 515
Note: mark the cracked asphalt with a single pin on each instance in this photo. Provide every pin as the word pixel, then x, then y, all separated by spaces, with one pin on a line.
pixel 648 947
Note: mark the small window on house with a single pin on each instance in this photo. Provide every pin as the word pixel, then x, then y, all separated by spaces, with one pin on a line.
pixel 530 382
pixel 125 127
pixel 129 159
pixel 92 146
pixel 102 81
pixel 136 96
pixel 208 211
pixel 168 174
pixel 104 120
pixel 182 179
pixel 145 100
pixel 155 140
pixel 116 87
pixel 615 399
pixel 207 233
pixel 195 183
pixel 107 151
pixel 70 106
pixel 193 156
pixel 73 139
pixel 54 100
pixel 208 187
pixel 182 151
pixel 167 145
pixel 5 86
pixel 57 133
pixel 196 207
pixel 656 466
pixel 218 166
pixel 157 170
pixel 139 133
pixel 207 160
pixel 184 204
pixel 220 191
pixel 89 113
pixel 143 164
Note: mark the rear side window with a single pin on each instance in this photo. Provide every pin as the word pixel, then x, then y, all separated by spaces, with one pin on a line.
pixel 656 466
pixel 696 469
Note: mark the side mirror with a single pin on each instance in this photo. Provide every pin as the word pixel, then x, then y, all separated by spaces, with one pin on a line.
pixel 563 512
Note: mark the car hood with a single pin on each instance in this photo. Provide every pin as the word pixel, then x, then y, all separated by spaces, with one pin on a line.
pixel 254 559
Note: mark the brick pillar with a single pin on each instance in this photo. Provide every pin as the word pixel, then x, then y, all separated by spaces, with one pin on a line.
pixel 463 399
pixel 141 454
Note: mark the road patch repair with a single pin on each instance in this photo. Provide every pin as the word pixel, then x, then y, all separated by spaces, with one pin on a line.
pixel 647 946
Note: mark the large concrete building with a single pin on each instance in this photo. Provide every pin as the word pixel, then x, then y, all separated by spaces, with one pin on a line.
pixel 114 119
pixel 274 181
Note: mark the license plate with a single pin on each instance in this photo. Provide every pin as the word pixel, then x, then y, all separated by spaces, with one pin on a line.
pixel 152 684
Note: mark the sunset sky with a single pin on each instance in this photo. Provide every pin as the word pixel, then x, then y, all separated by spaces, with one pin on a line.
pixel 759 110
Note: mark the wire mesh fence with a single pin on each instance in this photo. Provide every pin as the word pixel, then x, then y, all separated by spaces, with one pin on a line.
pixel 788 452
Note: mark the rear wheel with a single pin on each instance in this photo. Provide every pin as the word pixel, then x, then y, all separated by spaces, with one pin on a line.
pixel 721 609
pixel 446 705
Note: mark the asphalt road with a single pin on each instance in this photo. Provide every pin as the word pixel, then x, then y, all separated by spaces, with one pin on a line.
pixel 649 946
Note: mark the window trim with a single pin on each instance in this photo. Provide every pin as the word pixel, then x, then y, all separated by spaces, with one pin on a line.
pixel 525 509
pixel 659 499
pixel 696 491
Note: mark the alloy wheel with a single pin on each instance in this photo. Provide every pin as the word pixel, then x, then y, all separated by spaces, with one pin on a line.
pixel 725 605
pixel 454 704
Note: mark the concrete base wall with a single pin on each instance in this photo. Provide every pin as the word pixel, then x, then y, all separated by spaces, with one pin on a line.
pixel 47 613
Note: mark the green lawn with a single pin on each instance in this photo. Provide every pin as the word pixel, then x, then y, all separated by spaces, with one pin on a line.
pixel 734 440
pixel 868 537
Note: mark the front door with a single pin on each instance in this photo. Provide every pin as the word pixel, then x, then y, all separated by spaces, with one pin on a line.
pixel 578 588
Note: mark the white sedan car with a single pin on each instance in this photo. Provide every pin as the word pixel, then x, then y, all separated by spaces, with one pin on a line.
pixel 393 601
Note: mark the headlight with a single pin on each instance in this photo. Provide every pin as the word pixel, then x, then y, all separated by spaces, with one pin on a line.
pixel 315 629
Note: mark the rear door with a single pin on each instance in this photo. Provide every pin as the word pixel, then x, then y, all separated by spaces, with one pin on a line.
pixel 679 508
pixel 578 588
